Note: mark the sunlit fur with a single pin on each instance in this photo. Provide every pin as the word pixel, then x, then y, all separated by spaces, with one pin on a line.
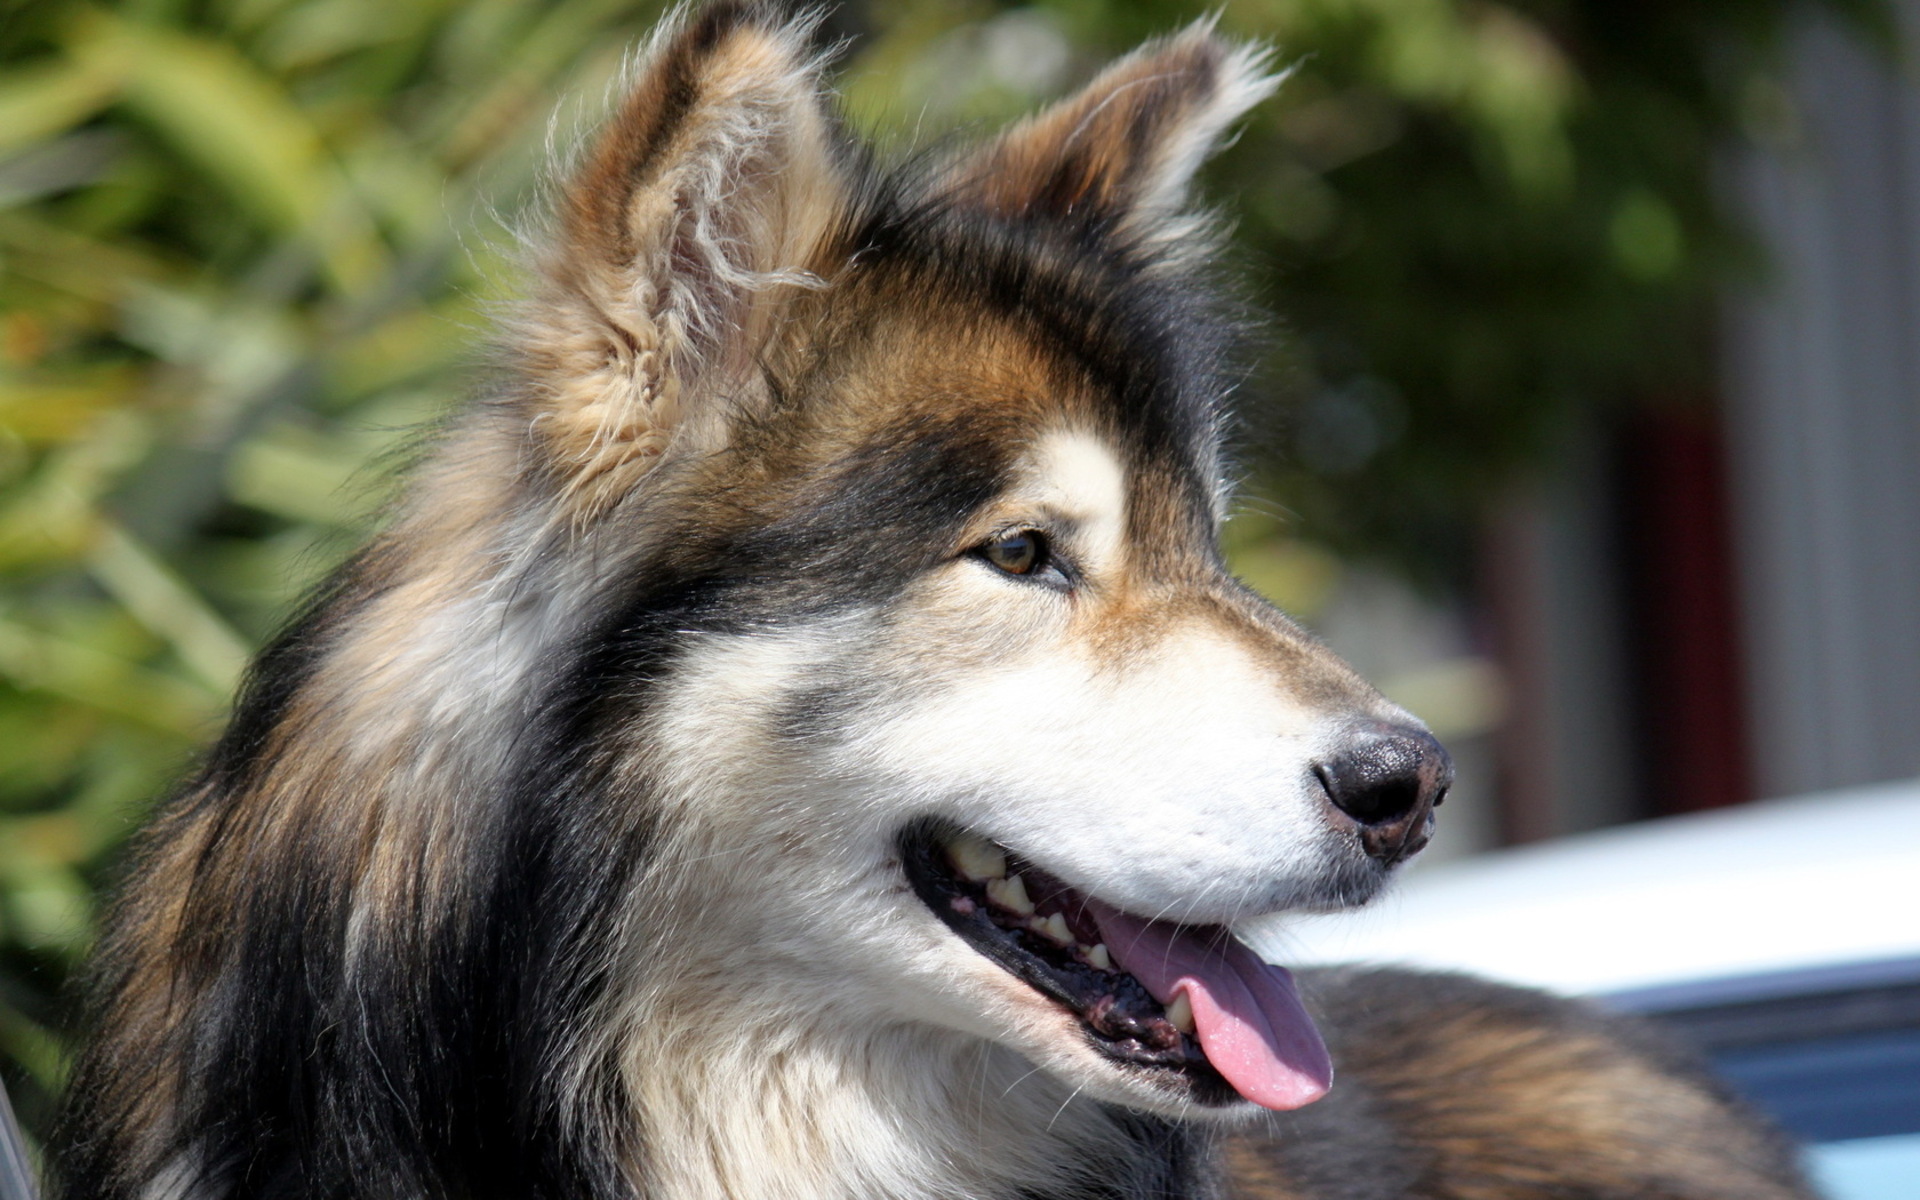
pixel 553 850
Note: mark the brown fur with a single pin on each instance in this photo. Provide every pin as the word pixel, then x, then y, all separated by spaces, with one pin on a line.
pixel 1454 1089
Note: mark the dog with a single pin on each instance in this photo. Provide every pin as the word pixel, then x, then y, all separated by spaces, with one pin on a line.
pixel 797 737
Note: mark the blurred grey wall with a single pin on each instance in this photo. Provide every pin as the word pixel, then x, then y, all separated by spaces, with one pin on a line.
pixel 1822 387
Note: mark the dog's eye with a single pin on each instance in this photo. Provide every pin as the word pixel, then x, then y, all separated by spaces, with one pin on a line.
pixel 1021 552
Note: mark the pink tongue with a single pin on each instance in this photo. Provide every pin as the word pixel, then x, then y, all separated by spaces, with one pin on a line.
pixel 1246 1013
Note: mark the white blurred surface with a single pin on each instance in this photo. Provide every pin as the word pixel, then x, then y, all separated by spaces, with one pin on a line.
pixel 1780 885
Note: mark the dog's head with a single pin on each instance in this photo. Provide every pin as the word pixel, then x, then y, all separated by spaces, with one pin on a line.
pixel 880 512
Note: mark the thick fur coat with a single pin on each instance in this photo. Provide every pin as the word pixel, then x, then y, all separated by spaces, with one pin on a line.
pixel 819 512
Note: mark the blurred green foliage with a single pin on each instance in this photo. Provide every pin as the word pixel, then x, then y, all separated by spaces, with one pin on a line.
pixel 246 245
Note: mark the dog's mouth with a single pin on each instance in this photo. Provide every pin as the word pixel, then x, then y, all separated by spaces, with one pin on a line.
pixel 1187 1004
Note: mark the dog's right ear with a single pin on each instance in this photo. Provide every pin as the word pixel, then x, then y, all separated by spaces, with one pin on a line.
pixel 1120 155
pixel 693 216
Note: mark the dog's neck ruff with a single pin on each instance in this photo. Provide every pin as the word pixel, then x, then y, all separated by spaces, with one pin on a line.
pixel 901 1113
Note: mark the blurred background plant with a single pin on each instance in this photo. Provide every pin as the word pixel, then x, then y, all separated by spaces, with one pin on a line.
pixel 247 245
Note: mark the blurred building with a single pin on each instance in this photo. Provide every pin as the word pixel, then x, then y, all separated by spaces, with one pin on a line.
pixel 1717 598
pixel 1720 599
pixel 1823 401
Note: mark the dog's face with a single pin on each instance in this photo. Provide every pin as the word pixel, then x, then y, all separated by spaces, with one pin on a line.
pixel 954 716
pixel 984 603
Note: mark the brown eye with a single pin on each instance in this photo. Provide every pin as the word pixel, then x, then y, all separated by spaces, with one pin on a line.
pixel 1018 553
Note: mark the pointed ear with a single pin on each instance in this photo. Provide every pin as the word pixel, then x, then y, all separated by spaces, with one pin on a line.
pixel 1121 155
pixel 694 214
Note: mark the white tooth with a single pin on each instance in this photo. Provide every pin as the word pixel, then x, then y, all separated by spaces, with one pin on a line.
pixel 1011 894
pixel 1180 1013
pixel 976 858
pixel 1098 957
pixel 1055 928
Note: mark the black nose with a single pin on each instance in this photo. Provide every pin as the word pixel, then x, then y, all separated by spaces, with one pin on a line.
pixel 1387 779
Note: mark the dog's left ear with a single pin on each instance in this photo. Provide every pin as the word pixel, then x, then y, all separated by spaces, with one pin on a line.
pixel 1120 156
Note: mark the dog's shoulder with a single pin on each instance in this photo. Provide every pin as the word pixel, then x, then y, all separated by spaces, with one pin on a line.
pixel 1453 1087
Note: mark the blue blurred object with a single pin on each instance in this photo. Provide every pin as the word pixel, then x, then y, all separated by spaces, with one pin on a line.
pixel 16 1172
pixel 1827 1089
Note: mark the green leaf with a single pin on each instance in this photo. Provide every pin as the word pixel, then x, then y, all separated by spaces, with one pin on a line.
pixel 38 661
pixel 219 110
pixel 166 605
pixel 41 412
pixel 45 100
